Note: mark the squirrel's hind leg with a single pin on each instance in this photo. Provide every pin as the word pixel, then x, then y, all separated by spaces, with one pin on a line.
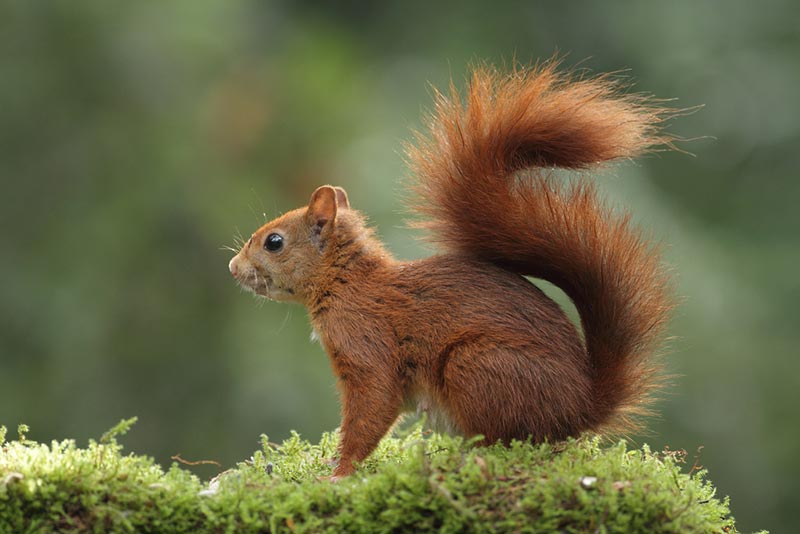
pixel 507 393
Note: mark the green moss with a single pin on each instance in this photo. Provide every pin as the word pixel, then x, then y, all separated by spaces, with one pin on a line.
pixel 411 484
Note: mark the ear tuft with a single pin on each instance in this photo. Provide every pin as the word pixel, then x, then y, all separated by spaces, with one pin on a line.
pixel 322 206
pixel 341 198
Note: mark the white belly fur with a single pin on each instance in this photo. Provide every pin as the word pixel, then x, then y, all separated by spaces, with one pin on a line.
pixel 437 418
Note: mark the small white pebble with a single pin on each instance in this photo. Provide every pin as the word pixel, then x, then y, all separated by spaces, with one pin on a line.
pixel 213 488
pixel 588 482
pixel 12 477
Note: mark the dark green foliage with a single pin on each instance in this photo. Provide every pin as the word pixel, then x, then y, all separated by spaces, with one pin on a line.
pixel 413 484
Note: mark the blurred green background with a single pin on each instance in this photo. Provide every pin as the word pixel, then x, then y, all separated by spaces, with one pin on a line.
pixel 136 138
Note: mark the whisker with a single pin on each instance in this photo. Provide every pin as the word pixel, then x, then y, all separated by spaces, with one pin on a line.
pixel 285 320
pixel 255 286
pixel 261 202
pixel 238 239
pixel 252 210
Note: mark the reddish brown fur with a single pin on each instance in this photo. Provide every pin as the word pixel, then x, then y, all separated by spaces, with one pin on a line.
pixel 463 335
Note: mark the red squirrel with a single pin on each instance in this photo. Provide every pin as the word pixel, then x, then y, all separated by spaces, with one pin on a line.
pixel 463 335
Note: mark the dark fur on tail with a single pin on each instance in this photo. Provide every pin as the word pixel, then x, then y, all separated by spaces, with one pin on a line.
pixel 483 174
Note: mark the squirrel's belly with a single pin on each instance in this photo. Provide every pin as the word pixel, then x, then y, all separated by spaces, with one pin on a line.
pixel 437 417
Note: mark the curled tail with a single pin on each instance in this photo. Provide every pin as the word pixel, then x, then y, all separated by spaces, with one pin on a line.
pixel 486 191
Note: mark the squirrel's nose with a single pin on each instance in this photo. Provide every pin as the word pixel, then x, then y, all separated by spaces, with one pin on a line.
pixel 233 267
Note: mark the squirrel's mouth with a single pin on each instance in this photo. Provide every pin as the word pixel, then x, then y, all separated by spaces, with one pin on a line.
pixel 262 285
pixel 259 282
pixel 255 282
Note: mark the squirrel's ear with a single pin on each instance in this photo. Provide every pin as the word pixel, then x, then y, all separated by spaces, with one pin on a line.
pixel 341 198
pixel 322 206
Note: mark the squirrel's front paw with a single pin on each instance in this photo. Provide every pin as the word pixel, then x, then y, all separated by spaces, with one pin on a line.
pixel 342 470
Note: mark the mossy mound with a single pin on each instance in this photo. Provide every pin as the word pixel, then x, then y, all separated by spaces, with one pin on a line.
pixel 416 483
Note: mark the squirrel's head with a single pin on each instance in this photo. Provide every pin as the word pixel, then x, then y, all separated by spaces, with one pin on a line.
pixel 284 258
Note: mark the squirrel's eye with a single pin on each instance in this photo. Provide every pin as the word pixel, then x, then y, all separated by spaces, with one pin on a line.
pixel 274 242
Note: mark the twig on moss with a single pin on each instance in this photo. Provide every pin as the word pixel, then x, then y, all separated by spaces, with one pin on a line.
pixel 696 465
pixel 178 458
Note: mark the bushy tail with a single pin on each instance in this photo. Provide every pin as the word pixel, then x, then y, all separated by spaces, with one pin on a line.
pixel 476 199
